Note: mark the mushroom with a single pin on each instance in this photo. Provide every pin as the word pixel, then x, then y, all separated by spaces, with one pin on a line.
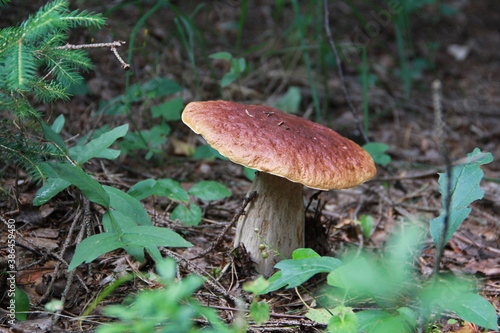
pixel 288 152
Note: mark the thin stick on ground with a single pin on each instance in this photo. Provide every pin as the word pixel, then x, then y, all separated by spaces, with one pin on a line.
pixel 201 272
pixel 218 241
pixel 57 267
pixel 71 275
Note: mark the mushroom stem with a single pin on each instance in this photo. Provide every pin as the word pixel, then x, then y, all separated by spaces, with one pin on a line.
pixel 278 214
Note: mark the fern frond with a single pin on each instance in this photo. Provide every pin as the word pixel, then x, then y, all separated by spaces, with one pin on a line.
pixel 21 66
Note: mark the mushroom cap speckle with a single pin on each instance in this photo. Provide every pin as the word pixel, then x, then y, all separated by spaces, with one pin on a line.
pixel 269 140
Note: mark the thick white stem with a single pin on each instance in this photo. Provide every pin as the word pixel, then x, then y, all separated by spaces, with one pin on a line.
pixel 278 214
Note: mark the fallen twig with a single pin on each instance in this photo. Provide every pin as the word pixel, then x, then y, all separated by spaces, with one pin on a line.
pixel 217 242
pixel 201 272
pixel 71 275
pixel 112 46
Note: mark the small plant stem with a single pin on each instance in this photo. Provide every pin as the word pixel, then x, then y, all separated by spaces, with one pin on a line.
pixel 440 134
pixel 341 72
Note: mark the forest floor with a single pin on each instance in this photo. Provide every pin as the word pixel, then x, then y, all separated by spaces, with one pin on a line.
pixel 460 50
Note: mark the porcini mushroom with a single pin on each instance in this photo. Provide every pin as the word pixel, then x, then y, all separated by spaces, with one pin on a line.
pixel 288 152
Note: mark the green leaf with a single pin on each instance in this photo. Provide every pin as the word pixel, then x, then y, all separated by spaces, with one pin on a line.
pixel 50 189
pixel 321 316
pixel 260 312
pixel 377 151
pixel 171 189
pixel 138 236
pixel 378 321
pixel 367 224
pixel 229 78
pixel 346 323
pixel 22 304
pixel 167 269
pixel 52 136
pixel 158 87
pixel 143 189
pixel 54 305
pixel 209 190
pixel 137 252
pixel 237 68
pixel 374 282
pixel 290 102
pixel 188 216
pixel 294 272
pixel 465 188
pixel 90 188
pixel 339 319
pixel 474 309
pixel 170 110
pixel 145 236
pixel 221 55
pixel 206 152
pixel 249 173
pixel 98 145
pixel 109 154
pixel 94 246
pixel 257 286
pixel 449 293
pixel 116 221
pixel 58 124
pixel 304 253
pixel 238 65
pixel 128 205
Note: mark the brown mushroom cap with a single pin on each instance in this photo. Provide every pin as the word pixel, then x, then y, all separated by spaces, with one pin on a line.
pixel 272 141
